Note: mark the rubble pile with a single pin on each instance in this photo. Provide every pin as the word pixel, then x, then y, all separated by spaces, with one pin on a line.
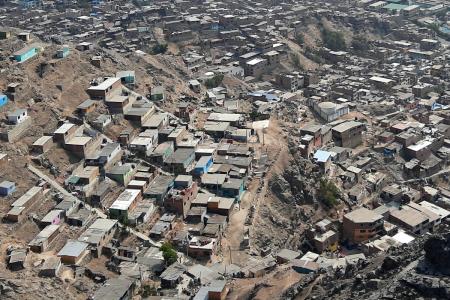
pixel 437 253
pixel 405 272
pixel 297 183
pixel 278 224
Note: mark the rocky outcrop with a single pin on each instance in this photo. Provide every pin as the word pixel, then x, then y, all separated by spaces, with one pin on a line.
pixel 437 253
pixel 431 287
pixel 298 183
pixel 281 188
pixel 412 271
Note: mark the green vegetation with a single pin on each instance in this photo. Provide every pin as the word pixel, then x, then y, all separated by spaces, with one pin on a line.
pixel 328 193
pixel 159 49
pixel 360 43
pixel 434 27
pixel 169 253
pixel 214 82
pixel 84 3
pixel 148 290
pixel 333 40
pixel 300 39
pixel 313 55
pixel 137 3
pixel 296 60
pixel 254 115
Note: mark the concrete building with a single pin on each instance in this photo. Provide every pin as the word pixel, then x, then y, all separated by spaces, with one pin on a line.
pixel 64 133
pixel 125 203
pixel 255 67
pixel 180 197
pixel 105 90
pixel 99 234
pixel 329 111
pixel 291 82
pixel 348 134
pixel 361 224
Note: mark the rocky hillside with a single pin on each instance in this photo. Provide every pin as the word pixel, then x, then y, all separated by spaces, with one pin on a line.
pixel 414 271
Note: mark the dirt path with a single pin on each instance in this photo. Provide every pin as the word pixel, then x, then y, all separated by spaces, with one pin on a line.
pixel 304 294
pixel 234 235
pixel 231 244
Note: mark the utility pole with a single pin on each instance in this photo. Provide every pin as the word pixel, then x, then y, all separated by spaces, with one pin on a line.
pixel 187 245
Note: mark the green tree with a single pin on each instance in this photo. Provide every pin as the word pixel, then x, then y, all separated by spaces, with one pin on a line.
pixel 148 290
pixel 159 49
pixel 296 60
pixel 169 254
pixel 300 39
pixel 328 193
pixel 84 3
pixel 312 55
pixel 333 40
pixel 214 82
pixel 360 43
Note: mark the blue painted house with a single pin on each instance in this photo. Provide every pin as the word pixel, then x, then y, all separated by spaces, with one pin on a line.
pixel 63 52
pixel 203 165
pixel 31 3
pixel 26 53
pixel 3 100
pixel 127 77
pixel 233 188
pixel 7 188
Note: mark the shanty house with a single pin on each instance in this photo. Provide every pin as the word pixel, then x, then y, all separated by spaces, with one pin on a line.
pixel 63 52
pixel 121 288
pixel 26 53
pixel 17 116
pixel 44 238
pixel 73 252
pixel 203 165
pixel 122 174
pixel 3 100
pixel 105 90
pixel 54 217
pixel 42 144
pixel 7 188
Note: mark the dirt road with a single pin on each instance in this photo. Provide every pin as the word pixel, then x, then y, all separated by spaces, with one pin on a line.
pixel 231 244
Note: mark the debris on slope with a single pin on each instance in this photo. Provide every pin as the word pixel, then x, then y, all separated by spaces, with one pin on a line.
pixel 410 271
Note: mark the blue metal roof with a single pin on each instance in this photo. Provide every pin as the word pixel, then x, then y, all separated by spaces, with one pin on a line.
pixel 322 156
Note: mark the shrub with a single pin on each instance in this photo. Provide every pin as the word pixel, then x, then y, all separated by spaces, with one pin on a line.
pixel 148 290
pixel 159 49
pixel 296 60
pixel 214 82
pixel 300 39
pixel 360 43
pixel 169 253
pixel 328 193
pixel 333 40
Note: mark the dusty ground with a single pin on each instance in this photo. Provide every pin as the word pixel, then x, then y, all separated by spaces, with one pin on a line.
pixel 231 244
pixel 268 287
